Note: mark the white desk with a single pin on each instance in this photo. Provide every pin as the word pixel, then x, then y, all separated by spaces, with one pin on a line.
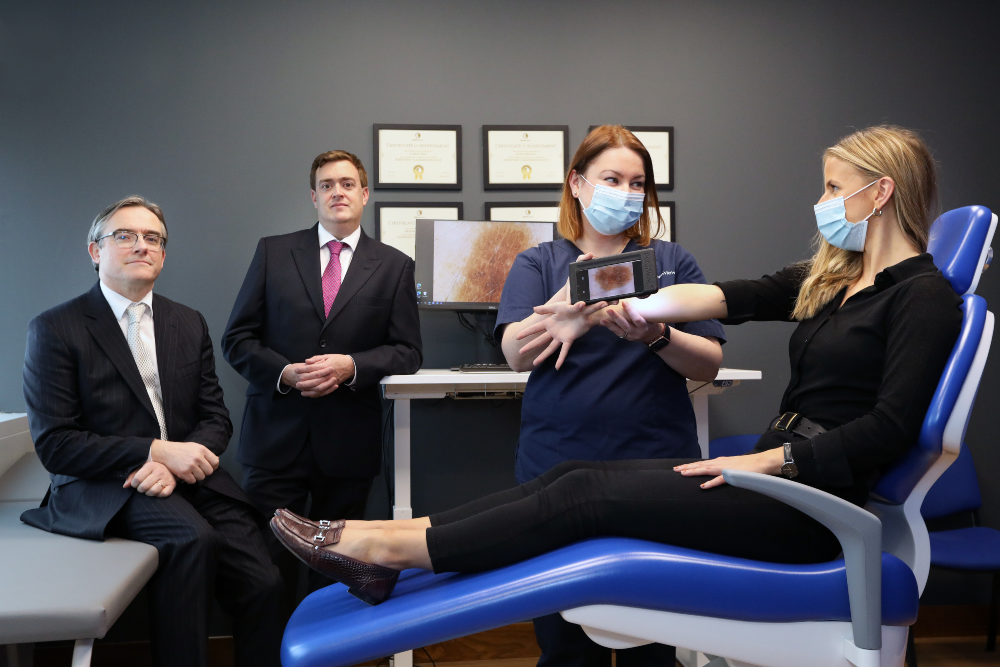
pixel 440 383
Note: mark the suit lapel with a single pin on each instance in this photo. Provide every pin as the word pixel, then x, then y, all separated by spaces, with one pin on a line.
pixel 306 257
pixel 165 330
pixel 363 264
pixel 108 334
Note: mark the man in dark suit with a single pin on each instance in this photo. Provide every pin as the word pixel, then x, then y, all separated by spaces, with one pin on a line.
pixel 123 402
pixel 322 316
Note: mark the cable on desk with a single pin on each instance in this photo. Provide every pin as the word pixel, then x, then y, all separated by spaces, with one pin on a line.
pixel 704 384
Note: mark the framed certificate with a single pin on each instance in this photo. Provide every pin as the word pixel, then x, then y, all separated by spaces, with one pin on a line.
pixel 659 141
pixel 418 157
pixel 525 157
pixel 668 211
pixel 522 211
pixel 395 222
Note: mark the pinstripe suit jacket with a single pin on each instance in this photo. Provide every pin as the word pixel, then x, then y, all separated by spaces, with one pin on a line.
pixel 279 319
pixel 91 418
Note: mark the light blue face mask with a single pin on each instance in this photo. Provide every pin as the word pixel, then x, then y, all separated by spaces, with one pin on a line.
pixel 831 218
pixel 612 211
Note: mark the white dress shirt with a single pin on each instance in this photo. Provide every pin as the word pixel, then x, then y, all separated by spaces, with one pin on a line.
pixel 119 306
pixel 346 255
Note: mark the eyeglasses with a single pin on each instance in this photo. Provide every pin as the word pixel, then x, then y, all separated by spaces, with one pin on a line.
pixel 126 239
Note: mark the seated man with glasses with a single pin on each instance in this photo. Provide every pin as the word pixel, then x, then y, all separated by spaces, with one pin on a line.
pixel 127 416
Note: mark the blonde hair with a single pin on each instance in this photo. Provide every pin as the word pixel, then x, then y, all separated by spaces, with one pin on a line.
pixel 883 150
pixel 599 140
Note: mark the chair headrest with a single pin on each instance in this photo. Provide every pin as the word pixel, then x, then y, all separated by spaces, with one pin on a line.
pixel 959 241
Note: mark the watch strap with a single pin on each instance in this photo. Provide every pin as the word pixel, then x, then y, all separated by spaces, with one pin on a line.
pixel 662 341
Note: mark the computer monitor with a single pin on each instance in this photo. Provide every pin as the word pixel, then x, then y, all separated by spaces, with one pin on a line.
pixel 462 264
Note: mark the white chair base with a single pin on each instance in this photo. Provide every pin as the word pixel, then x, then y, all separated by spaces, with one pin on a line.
pixel 743 643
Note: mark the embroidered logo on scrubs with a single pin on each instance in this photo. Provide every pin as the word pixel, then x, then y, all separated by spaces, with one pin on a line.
pixel 667 273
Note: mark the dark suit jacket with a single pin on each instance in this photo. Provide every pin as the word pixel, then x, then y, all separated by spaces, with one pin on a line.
pixel 278 319
pixel 91 418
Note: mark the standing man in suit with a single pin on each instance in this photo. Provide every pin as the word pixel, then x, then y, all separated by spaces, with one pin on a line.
pixel 323 315
pixel 123 403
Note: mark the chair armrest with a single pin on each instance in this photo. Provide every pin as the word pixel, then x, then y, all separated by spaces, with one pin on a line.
pixel 860 535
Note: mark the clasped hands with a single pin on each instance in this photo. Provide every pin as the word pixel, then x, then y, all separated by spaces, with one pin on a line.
pixel 319 375
pixel 169 461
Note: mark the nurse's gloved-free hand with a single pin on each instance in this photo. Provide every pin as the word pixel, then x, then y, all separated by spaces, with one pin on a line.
pixel 565 323
pixel 768 462
pixel 625 322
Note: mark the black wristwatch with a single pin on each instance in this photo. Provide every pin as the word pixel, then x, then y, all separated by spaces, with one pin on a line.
pixel 662 341
pixel 788 468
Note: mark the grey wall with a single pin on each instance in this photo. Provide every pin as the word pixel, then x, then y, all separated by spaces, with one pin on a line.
pixel 216 110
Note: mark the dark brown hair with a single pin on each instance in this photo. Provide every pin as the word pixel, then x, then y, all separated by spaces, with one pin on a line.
pixel 337 156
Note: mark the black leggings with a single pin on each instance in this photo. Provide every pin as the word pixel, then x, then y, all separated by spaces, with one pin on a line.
pixel 642 499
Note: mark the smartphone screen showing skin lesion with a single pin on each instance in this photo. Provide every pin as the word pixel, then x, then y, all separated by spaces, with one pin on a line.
pixel 610 281
pixel 472 259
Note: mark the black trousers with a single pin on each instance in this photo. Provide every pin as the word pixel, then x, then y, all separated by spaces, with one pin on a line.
pixel 290 488
pixel 642 499
pixel 209 546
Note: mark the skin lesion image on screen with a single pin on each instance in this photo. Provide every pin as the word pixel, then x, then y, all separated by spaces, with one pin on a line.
pixel 611 280
pixel 472 259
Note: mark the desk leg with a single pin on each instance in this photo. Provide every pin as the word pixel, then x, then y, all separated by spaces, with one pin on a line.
pixel 401 508
pixel 700 404
pixel 83 649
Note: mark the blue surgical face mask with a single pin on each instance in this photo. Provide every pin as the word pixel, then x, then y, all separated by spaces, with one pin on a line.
pixel 612 211
pixel 831 219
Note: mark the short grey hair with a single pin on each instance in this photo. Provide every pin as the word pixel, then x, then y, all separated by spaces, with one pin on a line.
pixel 97 226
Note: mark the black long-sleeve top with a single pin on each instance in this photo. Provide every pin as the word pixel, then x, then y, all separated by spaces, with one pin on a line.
pixel 865 370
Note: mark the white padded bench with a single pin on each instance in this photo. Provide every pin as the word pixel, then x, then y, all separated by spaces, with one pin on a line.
pixel 54 587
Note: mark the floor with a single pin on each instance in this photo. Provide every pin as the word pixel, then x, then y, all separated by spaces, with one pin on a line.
pixel 931 652
pixel 954 652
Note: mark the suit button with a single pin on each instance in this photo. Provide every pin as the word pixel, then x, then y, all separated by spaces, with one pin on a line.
pixel 322 343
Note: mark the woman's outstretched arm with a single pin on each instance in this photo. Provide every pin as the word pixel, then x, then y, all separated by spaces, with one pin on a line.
pixel 689 302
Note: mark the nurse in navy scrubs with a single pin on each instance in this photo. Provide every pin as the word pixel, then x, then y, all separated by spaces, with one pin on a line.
pixel 632 375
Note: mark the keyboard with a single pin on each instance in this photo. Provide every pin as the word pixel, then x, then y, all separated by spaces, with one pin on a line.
pixel 483 368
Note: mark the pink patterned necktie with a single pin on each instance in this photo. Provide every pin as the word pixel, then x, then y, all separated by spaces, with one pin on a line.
pixel 331 277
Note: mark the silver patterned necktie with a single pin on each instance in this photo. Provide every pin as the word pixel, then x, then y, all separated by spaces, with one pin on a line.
pixel 142 360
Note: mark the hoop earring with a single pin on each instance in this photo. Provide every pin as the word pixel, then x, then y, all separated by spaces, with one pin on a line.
pixel 878 213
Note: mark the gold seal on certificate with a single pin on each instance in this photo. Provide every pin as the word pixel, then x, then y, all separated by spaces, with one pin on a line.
pixel 395 222
pixel 522 211
pixel 424 157
pixel 524 157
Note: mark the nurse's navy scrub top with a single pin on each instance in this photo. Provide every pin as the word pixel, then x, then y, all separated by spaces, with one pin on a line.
pixel 612 399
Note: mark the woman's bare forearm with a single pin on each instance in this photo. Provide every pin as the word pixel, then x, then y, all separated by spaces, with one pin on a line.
pixel 683 303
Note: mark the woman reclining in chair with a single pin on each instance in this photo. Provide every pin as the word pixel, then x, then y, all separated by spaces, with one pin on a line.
pixel 877 323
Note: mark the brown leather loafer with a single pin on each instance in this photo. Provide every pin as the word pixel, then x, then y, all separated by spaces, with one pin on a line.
pixel 367 582
pixel 289 514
